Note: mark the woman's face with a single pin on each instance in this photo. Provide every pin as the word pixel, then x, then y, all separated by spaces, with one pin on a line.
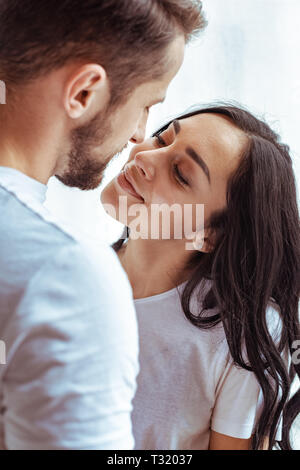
pixel 189 163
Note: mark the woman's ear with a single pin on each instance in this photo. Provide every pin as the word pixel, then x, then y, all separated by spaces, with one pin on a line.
pixel 204 241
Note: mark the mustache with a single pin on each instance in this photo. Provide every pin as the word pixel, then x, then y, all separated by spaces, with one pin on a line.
pixel 124 148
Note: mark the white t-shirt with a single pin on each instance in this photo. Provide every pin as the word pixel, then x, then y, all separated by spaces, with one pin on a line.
pixel 188 383
pixel 69 325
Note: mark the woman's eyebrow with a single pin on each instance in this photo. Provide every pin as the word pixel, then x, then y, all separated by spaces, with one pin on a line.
pixel 177 126
pixel 192 153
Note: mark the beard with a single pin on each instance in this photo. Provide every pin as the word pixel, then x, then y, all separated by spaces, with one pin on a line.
pixel 84 171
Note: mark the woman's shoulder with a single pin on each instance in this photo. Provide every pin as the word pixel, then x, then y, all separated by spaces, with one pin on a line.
pixel 274 322
pixel 273 319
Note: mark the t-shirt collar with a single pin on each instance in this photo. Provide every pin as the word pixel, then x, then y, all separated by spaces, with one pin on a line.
pixel 21 185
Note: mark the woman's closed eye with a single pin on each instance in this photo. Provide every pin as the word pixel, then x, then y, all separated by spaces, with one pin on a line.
pixel 178 174
pixel 160 140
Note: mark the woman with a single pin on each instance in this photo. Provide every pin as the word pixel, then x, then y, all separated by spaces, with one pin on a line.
pixel 218 323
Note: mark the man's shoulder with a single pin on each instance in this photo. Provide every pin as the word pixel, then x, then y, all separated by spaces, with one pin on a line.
pixel 34 242
pixel 27 219
pixel 31 223
pixel 76 283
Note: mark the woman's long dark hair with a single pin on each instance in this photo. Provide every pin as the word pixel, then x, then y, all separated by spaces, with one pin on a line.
pixel 256 258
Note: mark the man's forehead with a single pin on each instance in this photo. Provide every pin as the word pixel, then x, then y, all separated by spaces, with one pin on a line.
pixel 153 93
pixel 157 89
pixel 159 100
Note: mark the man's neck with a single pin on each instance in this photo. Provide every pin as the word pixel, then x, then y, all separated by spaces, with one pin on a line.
pixel 24 158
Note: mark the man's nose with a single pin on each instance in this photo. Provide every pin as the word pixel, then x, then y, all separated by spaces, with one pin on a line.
pixel 139 135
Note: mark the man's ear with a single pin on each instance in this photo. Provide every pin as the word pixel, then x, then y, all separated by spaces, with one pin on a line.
pixel 87 84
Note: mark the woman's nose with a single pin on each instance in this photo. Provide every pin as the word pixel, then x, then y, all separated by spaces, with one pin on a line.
pixel 144 165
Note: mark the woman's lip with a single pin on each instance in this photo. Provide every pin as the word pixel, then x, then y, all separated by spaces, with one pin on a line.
pixel 124 183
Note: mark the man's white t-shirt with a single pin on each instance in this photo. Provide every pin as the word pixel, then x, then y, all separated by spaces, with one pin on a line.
pixel 68 322
pixel 188 383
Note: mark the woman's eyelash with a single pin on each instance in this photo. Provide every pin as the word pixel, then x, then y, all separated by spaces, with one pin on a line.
pixel 160 140
pixel 177 172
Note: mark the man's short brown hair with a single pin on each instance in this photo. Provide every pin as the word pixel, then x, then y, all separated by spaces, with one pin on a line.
pixel 127 37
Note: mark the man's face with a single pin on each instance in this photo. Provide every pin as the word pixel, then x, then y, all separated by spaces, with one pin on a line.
pixel 94 145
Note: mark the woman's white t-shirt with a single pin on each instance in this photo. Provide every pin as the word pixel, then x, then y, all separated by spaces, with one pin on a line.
pixel 188 383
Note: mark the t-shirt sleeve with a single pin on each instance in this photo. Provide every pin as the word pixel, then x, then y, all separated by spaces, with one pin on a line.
pixel 239 398
pixel 73 357
pixel 236 401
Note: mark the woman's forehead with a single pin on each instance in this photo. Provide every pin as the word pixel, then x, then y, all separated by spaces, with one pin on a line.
pixel 210 123
pixel 215 137
pixel 217 132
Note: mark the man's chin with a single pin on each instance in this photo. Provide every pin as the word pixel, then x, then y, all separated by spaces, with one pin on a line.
pixel 81 182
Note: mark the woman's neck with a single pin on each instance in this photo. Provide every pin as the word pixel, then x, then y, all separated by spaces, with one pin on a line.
pixel 152 268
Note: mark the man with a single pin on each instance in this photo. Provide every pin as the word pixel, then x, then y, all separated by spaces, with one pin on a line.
pixel 80 78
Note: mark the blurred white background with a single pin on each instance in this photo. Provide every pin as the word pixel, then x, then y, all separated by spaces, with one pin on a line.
pixel 249 53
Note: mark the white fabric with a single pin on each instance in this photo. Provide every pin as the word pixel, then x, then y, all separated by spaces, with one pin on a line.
pixel 188 383
pixel 68 320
